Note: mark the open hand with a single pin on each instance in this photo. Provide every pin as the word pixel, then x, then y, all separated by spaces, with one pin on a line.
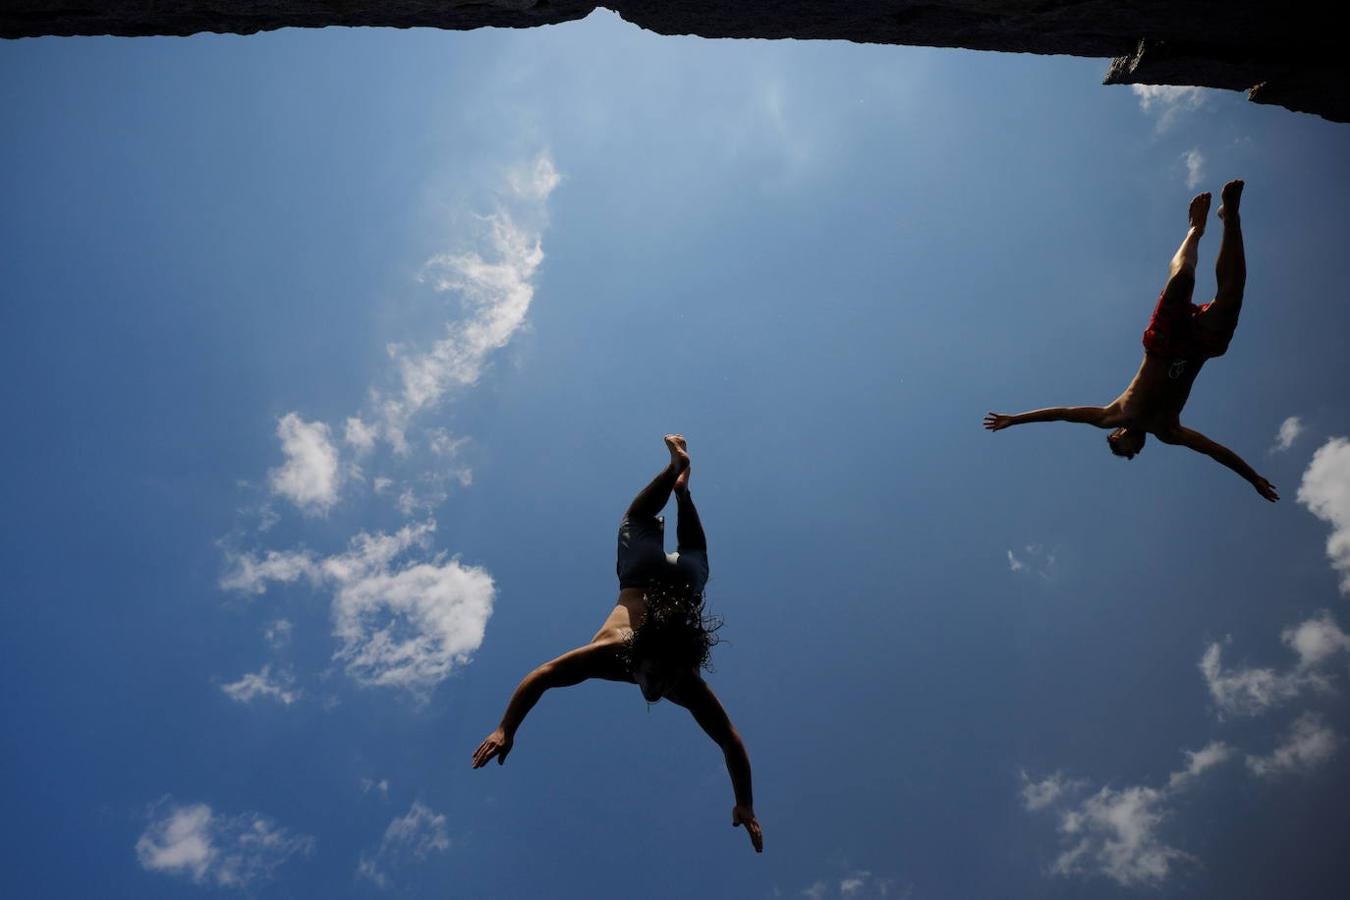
pixel 497 744
pixel 1265 489
pixel 745 815
pixel 997 421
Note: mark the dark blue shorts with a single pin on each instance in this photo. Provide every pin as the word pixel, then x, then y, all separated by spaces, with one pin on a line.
pixel 643 559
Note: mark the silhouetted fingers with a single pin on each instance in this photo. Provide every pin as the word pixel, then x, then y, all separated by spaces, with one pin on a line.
pixel 483 754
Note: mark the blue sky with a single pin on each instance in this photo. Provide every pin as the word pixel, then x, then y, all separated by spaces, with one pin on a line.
pixel 247 647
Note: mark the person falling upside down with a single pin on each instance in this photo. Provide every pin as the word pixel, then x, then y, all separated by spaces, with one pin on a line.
pixel 657 636
pixel 1179 338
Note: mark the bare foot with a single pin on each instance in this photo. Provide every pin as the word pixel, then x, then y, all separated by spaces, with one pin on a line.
pixel 679 454
pixel 1231 195
pixel 1199 211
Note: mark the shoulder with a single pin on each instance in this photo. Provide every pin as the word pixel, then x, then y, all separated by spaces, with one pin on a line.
pixel 1112 415
pixel 601 658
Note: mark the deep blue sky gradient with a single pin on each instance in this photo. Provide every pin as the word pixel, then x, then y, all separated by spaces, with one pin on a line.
pixel 823 262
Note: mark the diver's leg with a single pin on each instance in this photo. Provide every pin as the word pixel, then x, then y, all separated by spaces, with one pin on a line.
pixel 1231 266
pixel 1181 273
pixel 689 530
pixel 652 499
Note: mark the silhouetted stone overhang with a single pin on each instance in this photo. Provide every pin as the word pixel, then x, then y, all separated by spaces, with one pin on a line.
pixel 1291 54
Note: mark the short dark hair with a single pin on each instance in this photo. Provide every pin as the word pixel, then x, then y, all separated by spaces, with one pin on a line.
pixel 1113 441
pixel 676 629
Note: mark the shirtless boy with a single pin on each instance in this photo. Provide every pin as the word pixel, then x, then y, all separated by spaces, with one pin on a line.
pixel 1180 338
pixel 657 636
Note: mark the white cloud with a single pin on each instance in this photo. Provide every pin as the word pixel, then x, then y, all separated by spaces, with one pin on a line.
pixel 263 684
pixel 1251 691
pixel 1290 430
pixel 310 477
pixel 1040 794
pixel 195 843
pixel 250 574
pixel 278 633
pixel 445 444
pixel 1115 832
pixel 1316 640
pixel 1326 492
pixel 850 886
pixel 1168 101
pixel 408 621
pixel 536 180
pixel 1309 744
pixel 858 884
pixel 399 622
pixel 371 784
pixel 360 435
pixel 1195 167
pixel 1034 559
pixel 414 836
pixel 496 289
pixel 1198 762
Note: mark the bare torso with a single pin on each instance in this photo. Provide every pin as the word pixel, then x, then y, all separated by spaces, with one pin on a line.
pixel 1154 398
pixel 618 628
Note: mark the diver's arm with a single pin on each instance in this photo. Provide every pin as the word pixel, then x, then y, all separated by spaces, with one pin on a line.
pixel 700 700
pixel 1219 453
pixel 591 661
pixel 1088 415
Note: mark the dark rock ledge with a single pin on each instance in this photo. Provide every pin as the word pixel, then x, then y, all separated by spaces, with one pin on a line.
pixel 1291 54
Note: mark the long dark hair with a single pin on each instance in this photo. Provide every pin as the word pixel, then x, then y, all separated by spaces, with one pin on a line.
pixel 676 629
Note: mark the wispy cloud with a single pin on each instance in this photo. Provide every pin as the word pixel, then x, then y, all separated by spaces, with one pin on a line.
pixel 1115 833
pixel 1251 690
pixel 1290 430
pixel 412 837
pixel 1309 744
pixel 360 435
pixel 857 884
pixel 263 683
pixel 496 288
pixel 1168 102
pixel 401 619
pixel 1326 492
pixel 403 614
pixel 310 477
pixel 1040 794
pixel 1032 559
pixel 374 784
pixel 1198 762
pixel 1195 167
pixel 278 633
pixel 193 842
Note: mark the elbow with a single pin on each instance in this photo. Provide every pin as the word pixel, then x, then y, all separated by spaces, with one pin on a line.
pixel 731 744
pixel 541 679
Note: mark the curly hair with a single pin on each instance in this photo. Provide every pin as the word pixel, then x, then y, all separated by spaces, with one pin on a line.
pixel 676 629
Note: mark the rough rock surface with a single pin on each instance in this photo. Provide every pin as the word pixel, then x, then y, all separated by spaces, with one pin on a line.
pixel 1288 53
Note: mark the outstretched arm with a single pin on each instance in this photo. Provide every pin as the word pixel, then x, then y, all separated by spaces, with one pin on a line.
pixel 591 661
pixel 1198 442
pixel 1101 416
pixel 700 700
